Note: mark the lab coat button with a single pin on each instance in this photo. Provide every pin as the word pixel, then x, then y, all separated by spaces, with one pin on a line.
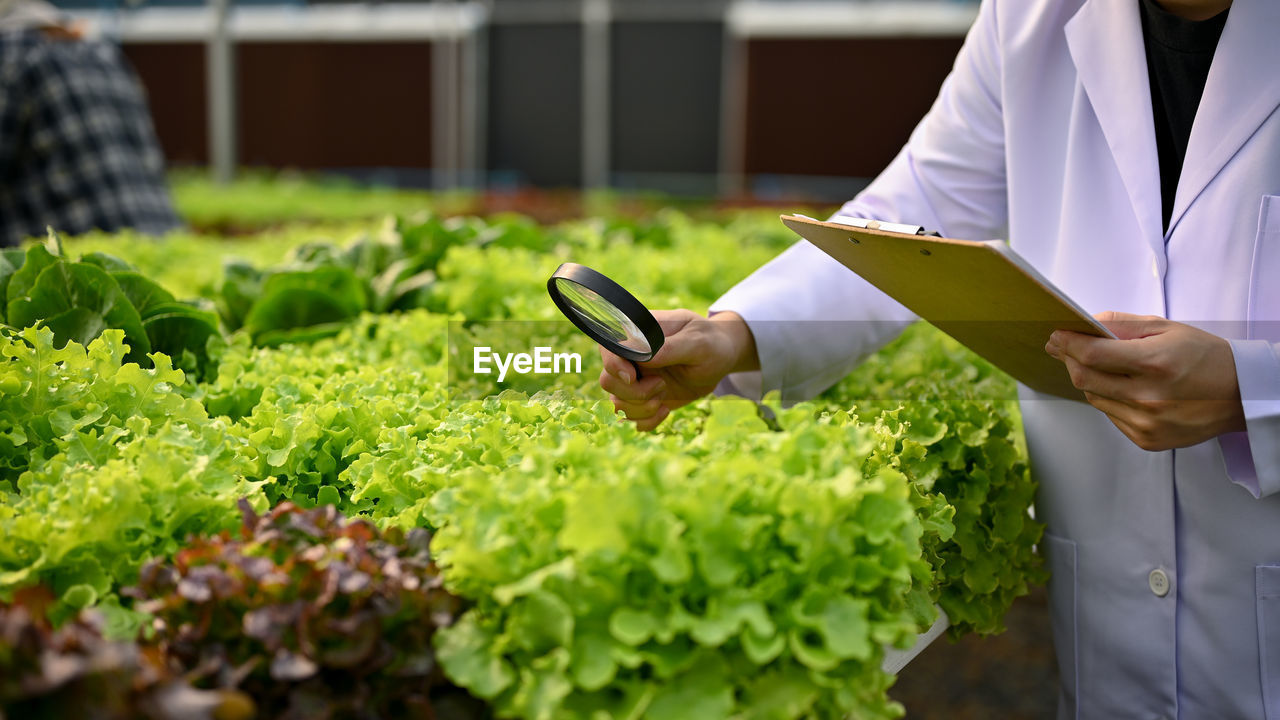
pixel 1158 581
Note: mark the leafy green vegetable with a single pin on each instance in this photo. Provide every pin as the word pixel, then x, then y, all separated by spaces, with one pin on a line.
pixel 305 416
pixel 716 568
pixel 470 267
pixel 79 300
pixel 183 332
pixel 75 672
pixel 56 399
pixel 305 298
pixel 310 615
pixel 36 260
pixel 144 294
pixel 11 260
pixel 113 466
pixel 949 421
pixel 603 559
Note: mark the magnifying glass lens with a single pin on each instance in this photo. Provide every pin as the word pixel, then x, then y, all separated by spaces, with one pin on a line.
pixel 602 316
pixel 606 312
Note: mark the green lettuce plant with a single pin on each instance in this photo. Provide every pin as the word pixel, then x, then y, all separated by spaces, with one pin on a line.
pixel 78 300
pixel 744 573
pixel 113 465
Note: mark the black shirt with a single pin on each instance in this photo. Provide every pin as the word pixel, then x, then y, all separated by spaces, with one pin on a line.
pixel 1179 52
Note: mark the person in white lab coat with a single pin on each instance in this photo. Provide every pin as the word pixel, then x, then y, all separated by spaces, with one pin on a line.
pixel 1076 129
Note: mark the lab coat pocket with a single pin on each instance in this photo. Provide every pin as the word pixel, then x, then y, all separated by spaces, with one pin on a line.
pixel 1268 589
pixel 1061 556
pixel 1264 286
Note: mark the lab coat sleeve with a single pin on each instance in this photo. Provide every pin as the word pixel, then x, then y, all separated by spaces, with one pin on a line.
pixel 1253 457
pixel 813 319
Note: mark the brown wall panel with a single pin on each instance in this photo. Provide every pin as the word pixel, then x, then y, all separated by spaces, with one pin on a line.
pixel 841 107
pixel 335 105
pixel 174 76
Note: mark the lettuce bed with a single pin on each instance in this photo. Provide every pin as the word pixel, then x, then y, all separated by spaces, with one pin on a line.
pixel 721 567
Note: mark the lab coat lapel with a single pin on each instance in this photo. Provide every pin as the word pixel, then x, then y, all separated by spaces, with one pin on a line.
pixel 1242 91
pixel 1105 41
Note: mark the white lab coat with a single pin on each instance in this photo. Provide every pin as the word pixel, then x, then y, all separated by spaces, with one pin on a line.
pixel 1043 134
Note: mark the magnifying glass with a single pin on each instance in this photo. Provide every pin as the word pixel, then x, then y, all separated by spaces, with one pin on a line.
pixel 613 317
pixel 606 312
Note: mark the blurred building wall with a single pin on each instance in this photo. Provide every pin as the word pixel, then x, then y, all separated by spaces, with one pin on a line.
pixel 665 105
pixel 691 101
pixel 174 76
pixel 317 105
pixel 838 107
pixel 535 104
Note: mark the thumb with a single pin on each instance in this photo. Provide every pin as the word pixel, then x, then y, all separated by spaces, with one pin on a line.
pixel 678 349
pixel 673 321
pixel 1131 327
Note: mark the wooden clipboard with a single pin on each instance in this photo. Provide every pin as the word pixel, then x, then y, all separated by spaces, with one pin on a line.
pixel 980 293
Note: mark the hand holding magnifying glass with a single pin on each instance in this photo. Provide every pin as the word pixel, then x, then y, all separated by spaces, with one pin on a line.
pixel 684 354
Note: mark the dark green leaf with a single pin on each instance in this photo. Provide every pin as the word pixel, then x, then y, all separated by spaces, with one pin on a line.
pixel 428 241
pixel 11 259
pixel 241 288
pixel 79 301
pixel 300 336
pixel 174 328
pixel 145 294
pixel 79 324
pixel 369 257
pixel 20 283
pixel 302 299
pixel 110 263
pixel 413 291
pixel 398 278
pixel 317 254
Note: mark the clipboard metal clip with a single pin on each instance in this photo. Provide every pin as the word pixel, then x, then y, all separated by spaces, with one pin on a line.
pixel 865 224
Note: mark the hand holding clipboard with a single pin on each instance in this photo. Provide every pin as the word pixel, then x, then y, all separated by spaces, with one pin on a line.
pixel 980 293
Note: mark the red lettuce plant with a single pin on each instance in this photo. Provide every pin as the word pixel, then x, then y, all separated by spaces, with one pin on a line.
pixel 74 673
pixel 312 615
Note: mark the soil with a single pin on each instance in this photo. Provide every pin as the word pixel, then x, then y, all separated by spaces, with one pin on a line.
pixel 1010 676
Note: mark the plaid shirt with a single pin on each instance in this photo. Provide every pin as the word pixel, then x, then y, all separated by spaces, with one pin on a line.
pixel 77 148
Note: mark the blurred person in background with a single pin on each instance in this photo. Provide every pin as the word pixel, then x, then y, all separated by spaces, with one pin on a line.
pixel 1130 151
pixel 77 148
